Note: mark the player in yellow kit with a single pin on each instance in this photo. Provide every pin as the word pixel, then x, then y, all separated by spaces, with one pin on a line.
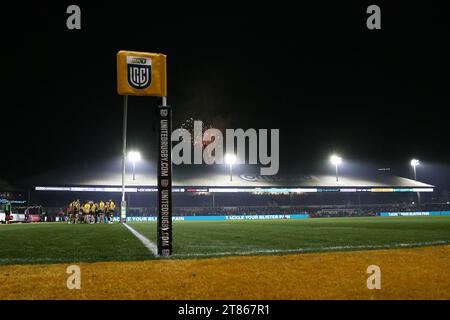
pixel 75 211
pixel 111 208
pixel 86 209
pixel 101 211
pixel 93 213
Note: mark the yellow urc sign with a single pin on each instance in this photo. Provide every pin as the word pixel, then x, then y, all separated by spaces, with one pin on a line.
pixel 141 74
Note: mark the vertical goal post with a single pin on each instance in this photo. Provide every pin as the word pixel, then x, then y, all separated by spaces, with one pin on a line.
pixel 145 74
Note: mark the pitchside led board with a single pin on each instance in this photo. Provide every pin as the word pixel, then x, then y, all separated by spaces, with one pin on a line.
pixel 141 74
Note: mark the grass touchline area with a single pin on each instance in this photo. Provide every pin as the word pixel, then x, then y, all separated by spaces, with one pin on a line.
pixel 61 243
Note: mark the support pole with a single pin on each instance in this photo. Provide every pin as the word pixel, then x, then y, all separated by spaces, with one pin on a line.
pixel 123 205
pixel 164 225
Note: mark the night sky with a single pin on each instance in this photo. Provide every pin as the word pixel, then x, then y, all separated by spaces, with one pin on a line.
pixel 315 72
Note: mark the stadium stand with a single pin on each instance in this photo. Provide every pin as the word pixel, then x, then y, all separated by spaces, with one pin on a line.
pixel 200 190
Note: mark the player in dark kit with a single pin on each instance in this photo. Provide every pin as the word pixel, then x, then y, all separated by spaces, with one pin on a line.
pixel 70 211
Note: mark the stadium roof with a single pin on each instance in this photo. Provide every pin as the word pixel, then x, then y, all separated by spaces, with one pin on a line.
pixel 216 176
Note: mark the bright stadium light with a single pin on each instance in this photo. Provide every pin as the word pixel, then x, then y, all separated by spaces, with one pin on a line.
pixel 134 156
pixel 336 161
pixel 230 159
pixel 414 163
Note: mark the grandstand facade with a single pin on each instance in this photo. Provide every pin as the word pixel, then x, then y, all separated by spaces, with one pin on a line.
pixel 209 190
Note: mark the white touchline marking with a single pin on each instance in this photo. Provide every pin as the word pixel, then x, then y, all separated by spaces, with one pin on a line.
pixel 145 241
pixel 317 249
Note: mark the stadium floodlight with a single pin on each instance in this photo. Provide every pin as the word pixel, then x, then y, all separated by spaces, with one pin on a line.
pixel 230 159
pixel 134 156
pixel 336 161
pixel 414 163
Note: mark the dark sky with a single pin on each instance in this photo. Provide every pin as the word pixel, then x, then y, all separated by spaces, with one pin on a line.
pixel 315 72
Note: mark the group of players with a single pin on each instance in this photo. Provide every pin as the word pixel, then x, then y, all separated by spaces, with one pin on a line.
pixel 91 212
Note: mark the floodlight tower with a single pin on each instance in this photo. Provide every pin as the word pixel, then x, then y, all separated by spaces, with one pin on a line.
pixel 336 160
pixel 134 156
pixel 230 159
pixel 414 163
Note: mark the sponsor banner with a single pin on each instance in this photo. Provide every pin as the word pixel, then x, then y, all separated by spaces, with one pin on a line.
pixel 147 219
pixel 404 214
pixel 102 189
pixel 164 207
pixel 88 189
pixel 212 218
pixel 141 74
pixel 382 190
pixel 414 213
pixel 4 201
pixel 328 190
pixel 422 189
pixel 17 217
pixel 255 190
pixel 34 218
pixel 267 217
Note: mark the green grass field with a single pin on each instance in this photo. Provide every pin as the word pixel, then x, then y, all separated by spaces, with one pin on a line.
pixel 57 242
pixel 60 242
